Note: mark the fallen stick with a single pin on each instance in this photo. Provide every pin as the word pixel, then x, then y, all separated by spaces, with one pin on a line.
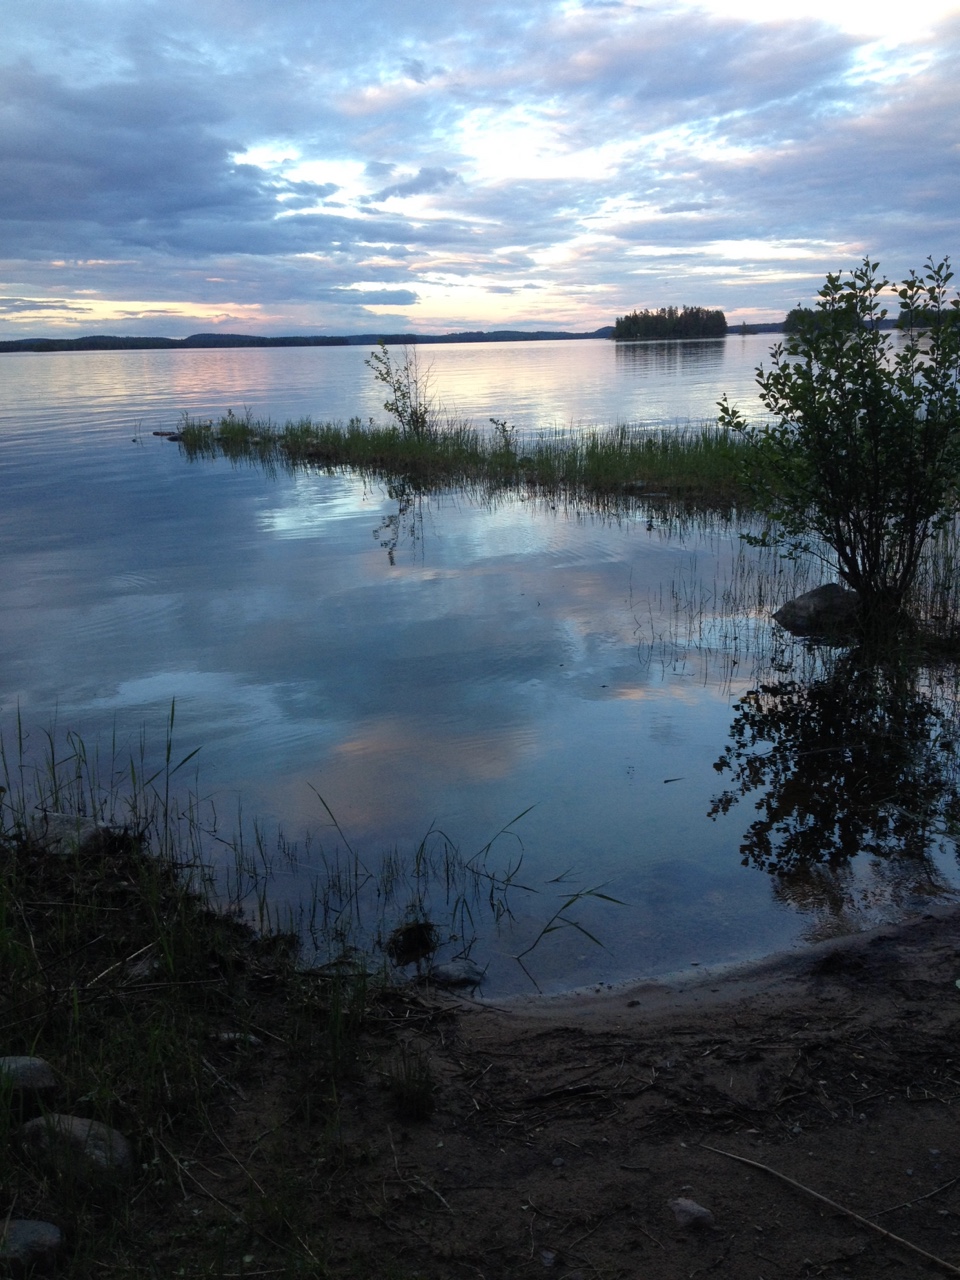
pixel 948 1267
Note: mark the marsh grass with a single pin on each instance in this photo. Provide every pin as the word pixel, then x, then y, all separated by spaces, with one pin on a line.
pixel 152 999
pixel 697 463
pixel 175 1006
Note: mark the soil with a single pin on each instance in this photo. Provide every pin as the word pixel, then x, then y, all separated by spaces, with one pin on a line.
pixel 553 1135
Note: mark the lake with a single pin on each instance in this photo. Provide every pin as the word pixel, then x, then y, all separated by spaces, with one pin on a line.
pixel 433 672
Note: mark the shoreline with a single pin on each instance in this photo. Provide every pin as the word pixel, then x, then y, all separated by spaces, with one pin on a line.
pixel 309 1123
pixel 708 988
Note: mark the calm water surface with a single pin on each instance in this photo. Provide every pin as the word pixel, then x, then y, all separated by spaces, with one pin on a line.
pixel 498 660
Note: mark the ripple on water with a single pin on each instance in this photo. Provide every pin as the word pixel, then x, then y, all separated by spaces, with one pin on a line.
pixel 124 617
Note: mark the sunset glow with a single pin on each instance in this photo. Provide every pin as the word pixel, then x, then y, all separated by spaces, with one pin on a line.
pixel 551 164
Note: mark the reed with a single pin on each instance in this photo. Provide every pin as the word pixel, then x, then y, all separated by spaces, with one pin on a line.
pixel 702 464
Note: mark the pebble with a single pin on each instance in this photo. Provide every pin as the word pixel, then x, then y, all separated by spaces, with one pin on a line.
pixel 239 1037
pixel 456 973
pixel 690 1214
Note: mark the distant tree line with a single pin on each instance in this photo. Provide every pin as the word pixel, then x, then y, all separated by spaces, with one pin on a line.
pixel 106 342
pixel 670 322
pixel 808 320
pixel 926 318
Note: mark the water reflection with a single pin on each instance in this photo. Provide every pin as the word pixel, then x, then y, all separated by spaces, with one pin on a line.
pixel 435 664
pixel 856 758
pixel 403 525
pixel 657 359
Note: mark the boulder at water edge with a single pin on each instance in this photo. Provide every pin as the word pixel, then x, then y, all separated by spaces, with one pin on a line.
pixel 825 610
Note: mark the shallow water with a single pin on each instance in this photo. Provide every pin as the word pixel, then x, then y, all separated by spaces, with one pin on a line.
pixel 519 658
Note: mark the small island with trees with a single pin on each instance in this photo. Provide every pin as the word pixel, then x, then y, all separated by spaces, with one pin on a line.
pixel 670 322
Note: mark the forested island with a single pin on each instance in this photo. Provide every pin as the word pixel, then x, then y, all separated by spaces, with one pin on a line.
pixel 670 322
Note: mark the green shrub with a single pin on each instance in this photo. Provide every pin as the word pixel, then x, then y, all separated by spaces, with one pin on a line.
pixel 863 453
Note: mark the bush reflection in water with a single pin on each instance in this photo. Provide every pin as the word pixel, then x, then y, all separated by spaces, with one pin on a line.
pixel 848 755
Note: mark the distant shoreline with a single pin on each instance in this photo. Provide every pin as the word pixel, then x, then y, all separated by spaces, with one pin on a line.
pixel 200 341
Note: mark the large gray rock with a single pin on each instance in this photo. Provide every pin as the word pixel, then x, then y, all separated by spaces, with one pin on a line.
pixel 28 1247
pixel 65 834
pixel 825 610
pixel 28 1075
pixel 27 1085
pixel 74 1147
pixel 456 974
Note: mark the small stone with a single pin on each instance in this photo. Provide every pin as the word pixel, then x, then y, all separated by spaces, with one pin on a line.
pixel 28 1075
pixel 82 1148
pixel 690 1214
pixel 28 1246
pixel 456 973
pixel 238 1038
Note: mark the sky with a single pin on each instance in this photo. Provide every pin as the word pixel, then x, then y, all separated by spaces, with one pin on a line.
pixel 304 166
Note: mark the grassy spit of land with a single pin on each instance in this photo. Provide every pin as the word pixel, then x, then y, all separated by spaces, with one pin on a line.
pixel 698 464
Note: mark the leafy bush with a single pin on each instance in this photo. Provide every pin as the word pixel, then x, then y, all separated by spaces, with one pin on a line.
pixel 408 387
pixel 863 453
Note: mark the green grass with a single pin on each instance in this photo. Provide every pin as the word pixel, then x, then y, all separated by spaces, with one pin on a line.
pixel 702 464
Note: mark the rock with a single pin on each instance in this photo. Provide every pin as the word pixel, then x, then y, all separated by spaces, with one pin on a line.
pixel 28 1246
pixel 65 834
pixel 27 1084
pixel 690 1214
pixel 412 942
pixel 823 611
pixel 28 1075
pixel 84 1149
pixel 246 1038
pixel 456 973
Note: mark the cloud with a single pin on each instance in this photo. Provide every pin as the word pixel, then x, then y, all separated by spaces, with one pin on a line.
pixel 586 157
pixel 423 182
pixel 16 306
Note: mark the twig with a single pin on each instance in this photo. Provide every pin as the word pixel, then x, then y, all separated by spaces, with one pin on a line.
pixel 118 964
pixel 906 1204
pixel 433 1191
pixel 580 1239
pixel 233 1156
pixel 415 1177
pixel 182 1168
pixel 645 1232
pixel 948 1267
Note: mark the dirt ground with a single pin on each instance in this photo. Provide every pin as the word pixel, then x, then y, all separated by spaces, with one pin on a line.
pixel 562 1131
